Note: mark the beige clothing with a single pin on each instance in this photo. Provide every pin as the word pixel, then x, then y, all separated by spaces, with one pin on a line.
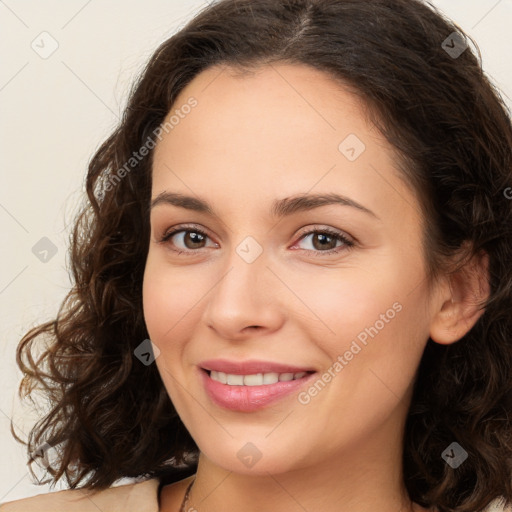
pixel 137 497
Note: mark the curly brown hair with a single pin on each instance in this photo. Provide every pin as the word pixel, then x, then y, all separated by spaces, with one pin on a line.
pixel 110 415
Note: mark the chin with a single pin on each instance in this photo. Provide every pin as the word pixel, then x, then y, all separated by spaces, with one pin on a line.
pixel 254 458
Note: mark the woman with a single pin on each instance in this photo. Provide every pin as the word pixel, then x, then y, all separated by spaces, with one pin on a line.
pixel 306 209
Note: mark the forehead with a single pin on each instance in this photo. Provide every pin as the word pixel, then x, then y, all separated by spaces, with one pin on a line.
pixel 272 96
pixel 278 130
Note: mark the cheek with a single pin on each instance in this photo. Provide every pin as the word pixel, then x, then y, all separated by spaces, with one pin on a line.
pixel 378 314
pixel 169 295
pixel 347 301
pixel 381 335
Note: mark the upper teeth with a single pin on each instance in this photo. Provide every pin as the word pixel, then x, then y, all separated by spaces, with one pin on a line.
pixel 257 379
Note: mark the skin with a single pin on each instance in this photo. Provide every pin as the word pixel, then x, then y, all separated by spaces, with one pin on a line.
pixel 249 141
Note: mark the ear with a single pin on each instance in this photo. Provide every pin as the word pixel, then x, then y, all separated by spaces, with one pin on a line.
pixel 459 303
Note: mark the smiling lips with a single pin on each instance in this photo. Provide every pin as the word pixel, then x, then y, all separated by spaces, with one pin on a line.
pixel 250 385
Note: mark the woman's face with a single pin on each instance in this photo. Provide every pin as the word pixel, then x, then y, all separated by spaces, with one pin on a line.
pixel 266 282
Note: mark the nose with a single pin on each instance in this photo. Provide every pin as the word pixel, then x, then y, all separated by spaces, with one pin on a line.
pixel 244 302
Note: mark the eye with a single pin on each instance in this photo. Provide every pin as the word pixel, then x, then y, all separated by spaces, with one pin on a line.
pixel 322 241
pixel 188 238
pixel 326 241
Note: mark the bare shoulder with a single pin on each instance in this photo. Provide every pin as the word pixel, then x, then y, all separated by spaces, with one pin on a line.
pixel 136 497
pixel 171 495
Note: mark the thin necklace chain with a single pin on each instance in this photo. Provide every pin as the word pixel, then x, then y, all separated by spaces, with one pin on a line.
pixel 184 503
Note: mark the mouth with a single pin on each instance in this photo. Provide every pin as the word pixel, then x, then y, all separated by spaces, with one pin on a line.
pixel 254 391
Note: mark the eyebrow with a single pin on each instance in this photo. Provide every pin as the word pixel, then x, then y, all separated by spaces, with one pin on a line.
pixel 280 207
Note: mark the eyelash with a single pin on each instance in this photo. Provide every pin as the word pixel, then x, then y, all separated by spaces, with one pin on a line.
pixel 347 244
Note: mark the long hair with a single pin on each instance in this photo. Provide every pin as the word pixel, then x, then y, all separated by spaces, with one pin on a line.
pixel 110 415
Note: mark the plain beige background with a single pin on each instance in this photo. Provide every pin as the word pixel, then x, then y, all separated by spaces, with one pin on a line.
pixel 56 108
